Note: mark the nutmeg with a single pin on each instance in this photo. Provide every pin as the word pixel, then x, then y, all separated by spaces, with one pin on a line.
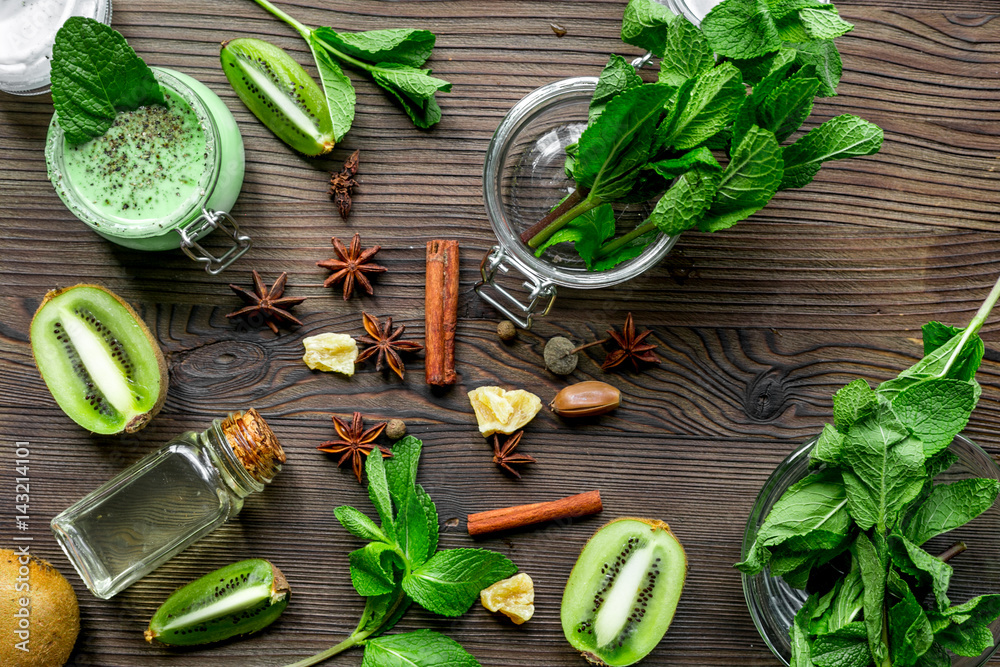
pixel 586 399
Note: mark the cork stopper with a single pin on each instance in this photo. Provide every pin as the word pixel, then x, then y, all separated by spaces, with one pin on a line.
pixel 254 444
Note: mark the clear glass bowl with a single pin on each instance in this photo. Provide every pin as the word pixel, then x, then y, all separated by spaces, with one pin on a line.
pixel 523 178
pixel 773 603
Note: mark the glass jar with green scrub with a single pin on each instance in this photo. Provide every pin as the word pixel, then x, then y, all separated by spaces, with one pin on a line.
pixel 135 522
pixel 161 177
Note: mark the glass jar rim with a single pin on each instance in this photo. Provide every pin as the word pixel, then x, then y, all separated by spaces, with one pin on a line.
pixel 524 111
pixel 54 152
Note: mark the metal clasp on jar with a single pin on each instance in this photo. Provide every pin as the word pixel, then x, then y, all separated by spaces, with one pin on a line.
pixel 520 314
pixel 205 223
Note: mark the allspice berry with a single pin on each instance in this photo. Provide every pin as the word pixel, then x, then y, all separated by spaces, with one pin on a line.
pixel 395 429
pixel 506 331
pixel 559 355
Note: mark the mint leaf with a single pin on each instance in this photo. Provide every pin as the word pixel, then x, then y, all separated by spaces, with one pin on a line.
pixel 431 517
pixel 714 101
pixel 982 610
pixel 949 506
pixel 674 167
pixel 936 410
pixel 967 639
pixel 644 24
pixel 401 469
pixel 838 138
pixel 886 469
pixel 378 491
pixel 616 77
pixel 451 580
pixel 828 446
pixel 338 89
pixel 785 109
pixel 412 531
pixel 686 200
pixel 873 562
pixel 853 402
pixel 400 46
pixel 909 631
pixel 821 59
pixel 421 648
pixel 750 180
pixel 756 69
pixel 846 647
pixel 687 53
pixel 801 646
pixel 358 524
pixel 619 140
pixel 741 29
pixel 383 611
pixel 914 561
pixel 814 510
pixel 414 89
pixel 95 74
pixel 849 601
pixel 935 365
pixel 371 568
pixel 587 232
pixel 936 335
pixel 936 656
pixel 823 22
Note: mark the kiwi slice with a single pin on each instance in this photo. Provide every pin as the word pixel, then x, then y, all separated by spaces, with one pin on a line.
pixel 98 359
pixel 623 591
pixel 280 93
pixel 234 600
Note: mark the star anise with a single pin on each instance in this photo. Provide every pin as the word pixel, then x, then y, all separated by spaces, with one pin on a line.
pixel 352 265
pixel 268 303
pixel 342 185
pixel 630 347
pixel 386 343
pixel 355 443
pixel 504 455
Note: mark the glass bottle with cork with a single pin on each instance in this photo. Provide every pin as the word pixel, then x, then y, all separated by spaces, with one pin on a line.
pixel 156 508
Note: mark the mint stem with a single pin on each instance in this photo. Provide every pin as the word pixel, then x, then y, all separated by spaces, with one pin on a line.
pixel 571 200
pixel 303 30
pixel 621 241
pixel 560 222
pixel 952 551
pixel 357 637
pixel 974 326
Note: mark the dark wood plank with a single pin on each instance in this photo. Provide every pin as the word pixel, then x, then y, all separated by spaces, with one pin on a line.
pixel 757 326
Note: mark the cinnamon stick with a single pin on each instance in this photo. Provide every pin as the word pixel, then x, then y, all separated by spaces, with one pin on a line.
pixel 519 516
pixel 441 311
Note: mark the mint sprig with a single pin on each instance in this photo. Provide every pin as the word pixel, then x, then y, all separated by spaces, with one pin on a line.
pixel 774 58
pixel 401 565
pixel 392 58
pixel 96 74
pixel 872 505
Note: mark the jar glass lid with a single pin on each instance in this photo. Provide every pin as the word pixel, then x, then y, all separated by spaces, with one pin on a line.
pixel 29 29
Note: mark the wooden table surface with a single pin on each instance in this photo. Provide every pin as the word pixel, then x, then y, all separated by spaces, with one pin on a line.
pixel 756 326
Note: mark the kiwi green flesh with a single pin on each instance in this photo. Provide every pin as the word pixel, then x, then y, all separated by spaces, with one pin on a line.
pixel 97 360
pixel 234 600
pixel 280 93
pixel 623 591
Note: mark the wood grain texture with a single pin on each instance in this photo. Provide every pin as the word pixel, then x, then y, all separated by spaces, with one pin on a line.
pixel 756 326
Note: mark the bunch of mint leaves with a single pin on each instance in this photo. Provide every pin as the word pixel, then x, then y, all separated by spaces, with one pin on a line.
pixel 869 507
pixel 391 57
pixel 663 139
pixel 96 74
pixel 401 564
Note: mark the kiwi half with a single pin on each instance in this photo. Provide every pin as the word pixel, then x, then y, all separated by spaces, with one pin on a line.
pixel 280 93
pixel 98 359
pixel 234 600
pixel 623 591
